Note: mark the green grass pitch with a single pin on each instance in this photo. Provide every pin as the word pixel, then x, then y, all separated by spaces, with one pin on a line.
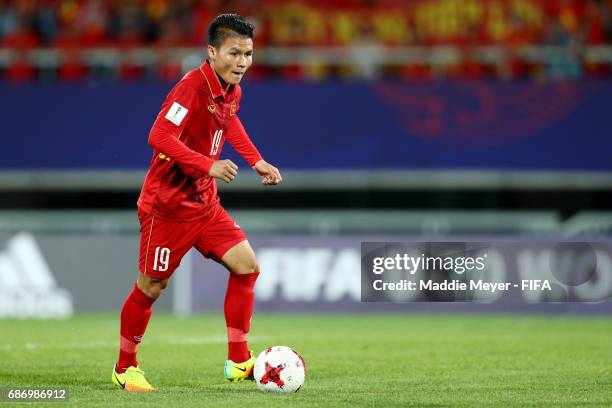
pixel 352 360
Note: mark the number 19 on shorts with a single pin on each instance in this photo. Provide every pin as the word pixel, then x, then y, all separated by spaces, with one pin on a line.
pixel 162 259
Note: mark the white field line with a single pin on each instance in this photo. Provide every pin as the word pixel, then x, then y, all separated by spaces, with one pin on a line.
pixel 216 339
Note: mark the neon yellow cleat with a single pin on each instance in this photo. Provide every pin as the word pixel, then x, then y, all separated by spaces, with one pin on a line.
pixel 132 379
pixel 235 372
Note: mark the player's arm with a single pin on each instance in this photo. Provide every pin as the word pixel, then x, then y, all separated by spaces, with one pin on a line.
pixel 166 132
pixel 239 139
pixel 177 110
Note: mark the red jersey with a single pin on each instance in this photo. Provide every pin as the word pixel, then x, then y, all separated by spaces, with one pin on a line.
pixel 188 135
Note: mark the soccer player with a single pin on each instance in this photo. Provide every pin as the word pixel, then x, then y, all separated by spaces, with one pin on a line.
pixel 179 208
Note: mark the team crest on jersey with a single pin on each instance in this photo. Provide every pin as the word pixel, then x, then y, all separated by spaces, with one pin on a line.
pixel 211 108
pixel 233 109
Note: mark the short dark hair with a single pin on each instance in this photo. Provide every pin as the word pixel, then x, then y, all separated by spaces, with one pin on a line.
pixel 225 25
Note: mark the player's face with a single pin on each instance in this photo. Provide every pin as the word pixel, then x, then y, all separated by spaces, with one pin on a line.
pixel 232 59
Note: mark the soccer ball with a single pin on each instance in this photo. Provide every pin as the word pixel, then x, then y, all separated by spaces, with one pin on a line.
pixel 279 369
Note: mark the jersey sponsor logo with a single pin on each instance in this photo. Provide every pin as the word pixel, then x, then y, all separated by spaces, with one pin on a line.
pixel 176 113
pixel 27 286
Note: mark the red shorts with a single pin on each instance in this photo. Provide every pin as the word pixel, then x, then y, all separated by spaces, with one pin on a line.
pixel 163 244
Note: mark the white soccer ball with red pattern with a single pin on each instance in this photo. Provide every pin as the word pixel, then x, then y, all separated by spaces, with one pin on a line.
pixel 279 369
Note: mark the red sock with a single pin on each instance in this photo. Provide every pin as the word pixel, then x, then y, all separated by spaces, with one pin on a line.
pixel 135 316
pixel 238 309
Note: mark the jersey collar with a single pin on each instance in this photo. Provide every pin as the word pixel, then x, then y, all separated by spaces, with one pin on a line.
pixel 213 81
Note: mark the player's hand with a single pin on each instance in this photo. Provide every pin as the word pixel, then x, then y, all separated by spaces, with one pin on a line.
pixel 270 175
pixel 224 170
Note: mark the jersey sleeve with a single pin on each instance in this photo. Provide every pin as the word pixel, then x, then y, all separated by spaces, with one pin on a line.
pixel 178 108
pixel 238 137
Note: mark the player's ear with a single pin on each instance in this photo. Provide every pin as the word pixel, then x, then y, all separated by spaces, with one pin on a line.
pixel 212 52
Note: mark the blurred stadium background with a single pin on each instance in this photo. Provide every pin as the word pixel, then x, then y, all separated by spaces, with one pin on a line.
pixel 434 119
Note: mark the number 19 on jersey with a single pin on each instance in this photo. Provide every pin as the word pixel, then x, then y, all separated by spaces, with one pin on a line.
pixel 162 259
